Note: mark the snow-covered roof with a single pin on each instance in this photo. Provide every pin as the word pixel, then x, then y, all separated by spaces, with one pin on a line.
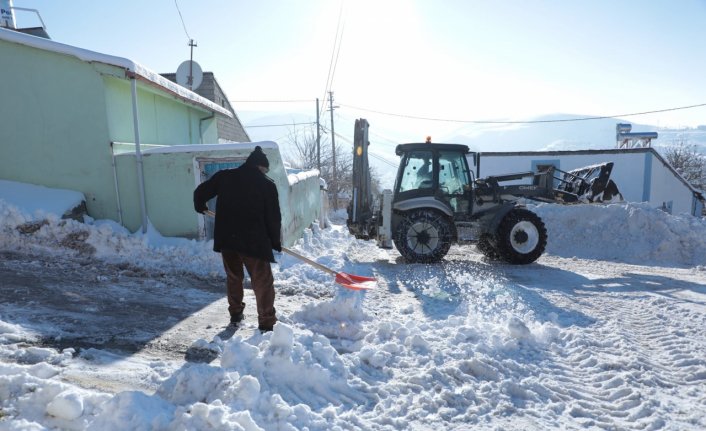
pixel 170 149
pixel 132 69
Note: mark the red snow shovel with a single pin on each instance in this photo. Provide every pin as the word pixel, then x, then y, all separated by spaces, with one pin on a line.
pixel 350 281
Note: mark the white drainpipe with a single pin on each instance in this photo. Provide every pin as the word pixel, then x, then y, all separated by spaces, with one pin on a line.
pixel 201 123
pixel 138 155
pixel 115 182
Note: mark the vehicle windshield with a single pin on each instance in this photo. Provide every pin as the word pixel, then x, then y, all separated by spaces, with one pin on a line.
pixel 418 171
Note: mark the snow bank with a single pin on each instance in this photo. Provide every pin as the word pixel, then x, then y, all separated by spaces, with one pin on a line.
pixel 38 201
pixel 104 240
pixel 628 232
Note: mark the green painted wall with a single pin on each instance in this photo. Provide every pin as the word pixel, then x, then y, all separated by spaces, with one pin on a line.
pixel 60 114
pixel 171 177
pixel 52 124
pixel 164 120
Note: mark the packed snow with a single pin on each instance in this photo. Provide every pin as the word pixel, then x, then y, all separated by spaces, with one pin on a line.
pixel 605 331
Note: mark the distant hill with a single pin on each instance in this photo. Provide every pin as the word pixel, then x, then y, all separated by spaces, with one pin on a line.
pixel 566 135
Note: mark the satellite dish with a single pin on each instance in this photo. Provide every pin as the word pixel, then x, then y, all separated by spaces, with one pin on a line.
pixel 189 75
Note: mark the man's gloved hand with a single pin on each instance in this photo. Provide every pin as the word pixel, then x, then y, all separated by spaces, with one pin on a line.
pixel 201 210
pixel 277 246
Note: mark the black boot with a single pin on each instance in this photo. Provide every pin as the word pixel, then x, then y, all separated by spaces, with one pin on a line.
pixel 236 319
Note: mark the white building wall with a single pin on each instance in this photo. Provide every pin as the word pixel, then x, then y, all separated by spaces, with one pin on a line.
pixel 667 189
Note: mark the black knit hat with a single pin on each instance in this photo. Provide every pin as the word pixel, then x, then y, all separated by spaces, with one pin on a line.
pixel 258 158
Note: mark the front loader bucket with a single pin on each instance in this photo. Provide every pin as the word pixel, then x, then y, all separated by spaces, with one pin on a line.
pixel 591 183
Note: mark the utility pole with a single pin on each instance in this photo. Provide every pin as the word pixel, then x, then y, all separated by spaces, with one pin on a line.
pixel 318 138
pixel 333 146
pixel 192 44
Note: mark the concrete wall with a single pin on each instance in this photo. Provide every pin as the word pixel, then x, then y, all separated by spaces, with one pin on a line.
pixel 304 205
pixel 641 174
pixel 666 186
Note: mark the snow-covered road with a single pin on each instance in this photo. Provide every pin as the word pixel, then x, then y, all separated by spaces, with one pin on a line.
pixel 564 343
pixel 600 333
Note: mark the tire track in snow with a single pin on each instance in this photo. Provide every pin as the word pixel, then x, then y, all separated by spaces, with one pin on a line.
pixel 544 346
pixel 627 379
pixel 616 358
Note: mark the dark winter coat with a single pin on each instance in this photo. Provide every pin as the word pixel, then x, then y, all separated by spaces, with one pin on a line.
pixel 248 218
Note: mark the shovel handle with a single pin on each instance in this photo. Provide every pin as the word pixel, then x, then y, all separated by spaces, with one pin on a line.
pixel 293 253
pixel 309 261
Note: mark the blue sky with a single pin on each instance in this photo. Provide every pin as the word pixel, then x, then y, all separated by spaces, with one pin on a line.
pixel 444 59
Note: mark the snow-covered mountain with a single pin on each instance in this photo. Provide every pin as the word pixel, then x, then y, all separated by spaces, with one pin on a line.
pixel 559 132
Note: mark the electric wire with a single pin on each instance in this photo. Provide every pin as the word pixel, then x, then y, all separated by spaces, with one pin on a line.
pixel 182 19
pixel 310 123
pixel 273 101
pixel 375 156
pixel 384 160
pixel 334 56
pixel 564 120
pixel 338 52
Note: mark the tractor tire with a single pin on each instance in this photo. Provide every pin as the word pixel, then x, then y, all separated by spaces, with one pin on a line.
pixel 521 237
pixel 485 246
pixel 423 236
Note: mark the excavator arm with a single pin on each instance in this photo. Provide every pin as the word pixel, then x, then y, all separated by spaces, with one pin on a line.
pixel 361 215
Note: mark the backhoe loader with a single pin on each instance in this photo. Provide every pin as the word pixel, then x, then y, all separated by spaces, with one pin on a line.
pixel 437 201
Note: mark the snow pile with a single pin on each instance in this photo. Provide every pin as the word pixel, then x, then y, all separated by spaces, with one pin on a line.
pixel 628 232
pixel 38 202
pixel 105 240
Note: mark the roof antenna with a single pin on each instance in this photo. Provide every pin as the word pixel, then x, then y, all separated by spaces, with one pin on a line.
pixel 7 20
pixel 189 73
pixel 7 17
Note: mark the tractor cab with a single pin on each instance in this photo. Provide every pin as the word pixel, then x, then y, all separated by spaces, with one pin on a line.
pixel 437 173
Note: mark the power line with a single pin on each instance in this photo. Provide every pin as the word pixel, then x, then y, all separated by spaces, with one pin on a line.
pixel 273 101
pixel 375 156
pixel 182 19
pixel 384 160
pixel 565 120
pixel 338 52
pixel 280 125
pixel 334 55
